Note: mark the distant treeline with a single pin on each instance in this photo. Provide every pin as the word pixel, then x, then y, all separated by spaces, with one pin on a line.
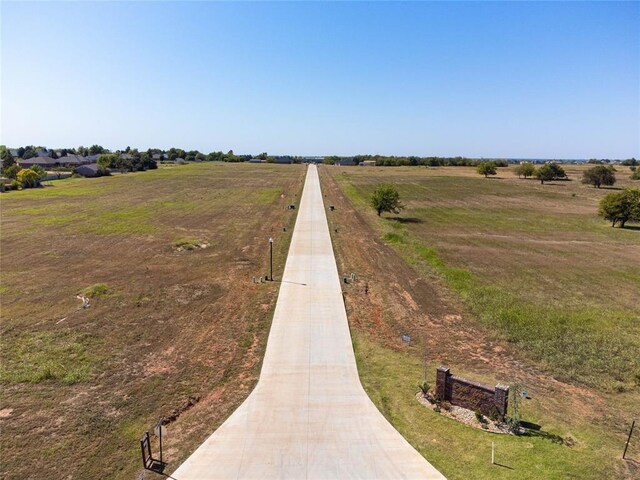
pixel 393 161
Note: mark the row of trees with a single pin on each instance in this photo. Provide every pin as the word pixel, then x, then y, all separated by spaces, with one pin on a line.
pixel 546 172
pixel 616 207
pixel 597 176
pixel 173 154
pixel 131 162
pixel 393 161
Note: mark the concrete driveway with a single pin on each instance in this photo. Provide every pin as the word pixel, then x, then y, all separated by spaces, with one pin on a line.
pixel 308 417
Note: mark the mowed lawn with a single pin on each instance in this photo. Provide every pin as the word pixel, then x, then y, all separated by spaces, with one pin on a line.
pixel 172 332
pixel 555 288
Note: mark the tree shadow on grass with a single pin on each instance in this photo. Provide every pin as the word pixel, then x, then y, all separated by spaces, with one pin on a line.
pixel 405 219
pixel 535 430
pixel 631 227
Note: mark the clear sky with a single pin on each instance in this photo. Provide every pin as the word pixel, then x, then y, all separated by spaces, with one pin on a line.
pixel 506 79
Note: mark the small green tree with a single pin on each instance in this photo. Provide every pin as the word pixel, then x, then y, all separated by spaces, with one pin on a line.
pixel 386 198
pixel 635 173
pixel 550 171
pixel 599 175
pixel 525 169
pixel 621 207
pixel 487 168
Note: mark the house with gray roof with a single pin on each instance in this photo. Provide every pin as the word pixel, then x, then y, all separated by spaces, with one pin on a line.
pixel 44 162
pixel 89 170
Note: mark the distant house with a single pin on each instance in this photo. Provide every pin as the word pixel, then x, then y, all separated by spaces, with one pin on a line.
pixel 89 170
pixel 313 159
pixel 256 160
pixel 126 156
pixel 283 160
pixel 92 158
pixel 44 162
pixel 368 163
pixel 73 160
pixel 43 153
pixel 345 162
pixel 158 156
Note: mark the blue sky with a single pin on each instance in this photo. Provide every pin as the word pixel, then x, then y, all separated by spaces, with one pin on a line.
pixel 505 79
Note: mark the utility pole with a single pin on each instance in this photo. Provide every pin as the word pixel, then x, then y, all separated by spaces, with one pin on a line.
pixel 271 259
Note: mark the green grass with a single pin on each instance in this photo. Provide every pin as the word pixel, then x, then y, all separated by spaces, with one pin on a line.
pixel 267 195
pixel 97 290
pixel 62 356
pixel 462 452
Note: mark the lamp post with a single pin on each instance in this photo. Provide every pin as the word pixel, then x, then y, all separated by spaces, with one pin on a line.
pixel 271 259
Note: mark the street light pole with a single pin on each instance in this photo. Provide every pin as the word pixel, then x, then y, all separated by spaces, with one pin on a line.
pixel 271 259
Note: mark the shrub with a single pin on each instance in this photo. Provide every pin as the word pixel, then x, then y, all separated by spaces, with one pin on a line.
pixel 424 388
pixel 480 417
pixel 28 178
pixel 446 405
pixel 97 290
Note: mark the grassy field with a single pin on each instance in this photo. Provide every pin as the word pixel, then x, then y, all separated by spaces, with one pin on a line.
pixel 501 279
pixel 173 329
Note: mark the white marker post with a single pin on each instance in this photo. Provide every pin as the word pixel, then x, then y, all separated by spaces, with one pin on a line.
pixel 493 453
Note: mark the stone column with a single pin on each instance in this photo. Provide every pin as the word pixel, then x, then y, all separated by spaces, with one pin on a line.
pixel 442 377
pixel 501 398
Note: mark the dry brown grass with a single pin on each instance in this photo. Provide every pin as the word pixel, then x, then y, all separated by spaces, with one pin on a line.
pixel 82 385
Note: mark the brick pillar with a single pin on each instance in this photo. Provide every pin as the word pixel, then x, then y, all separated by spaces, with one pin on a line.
pixel 501 398
pixel 442 377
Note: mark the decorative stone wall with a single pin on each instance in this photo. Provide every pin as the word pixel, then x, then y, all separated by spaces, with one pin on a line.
pixel 474 396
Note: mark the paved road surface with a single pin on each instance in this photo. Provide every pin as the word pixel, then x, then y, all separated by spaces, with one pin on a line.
pixel 308 417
